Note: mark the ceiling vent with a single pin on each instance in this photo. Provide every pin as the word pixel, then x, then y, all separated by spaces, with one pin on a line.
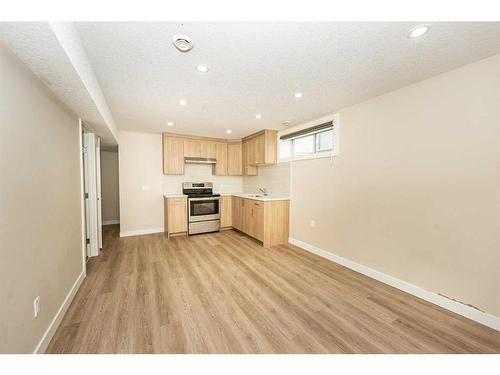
pixel 183 43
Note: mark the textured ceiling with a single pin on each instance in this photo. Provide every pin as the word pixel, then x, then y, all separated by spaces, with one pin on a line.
pixel 256 68
pixel 54 53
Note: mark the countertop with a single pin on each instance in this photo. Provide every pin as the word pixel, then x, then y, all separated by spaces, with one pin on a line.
pixel 240 195
pixel 266 198
pixel 175 195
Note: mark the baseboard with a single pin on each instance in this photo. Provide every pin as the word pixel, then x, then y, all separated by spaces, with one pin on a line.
pixel 54 324
pixel 111 222
pixel 437 299
pixel 141 232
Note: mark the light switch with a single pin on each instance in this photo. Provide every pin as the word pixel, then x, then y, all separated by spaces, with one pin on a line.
pixel 146 187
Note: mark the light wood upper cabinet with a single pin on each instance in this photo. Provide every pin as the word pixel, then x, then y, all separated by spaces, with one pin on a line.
pixel 259 149
pixel 175 215
pixel 207 149
pixel 234 158
pixel 247 155
pixel 234 161
pixel 226 212
pixel 173 155
pixel 192 148
pixel 221 167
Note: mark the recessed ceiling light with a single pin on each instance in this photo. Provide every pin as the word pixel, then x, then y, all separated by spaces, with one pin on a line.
pixel 286 123
pixel 183 102
pixel 229 131
pixel 258 117
pixel 202 68
pixel 418 31
pixel 298 95
pixel 170 123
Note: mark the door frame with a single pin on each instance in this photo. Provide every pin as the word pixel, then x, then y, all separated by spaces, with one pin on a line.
pixel 82 197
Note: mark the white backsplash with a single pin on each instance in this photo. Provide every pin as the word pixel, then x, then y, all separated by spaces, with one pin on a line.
pixel 172 184
pixel 275 178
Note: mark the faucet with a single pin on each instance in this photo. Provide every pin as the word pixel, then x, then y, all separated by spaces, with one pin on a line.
pixel 264 191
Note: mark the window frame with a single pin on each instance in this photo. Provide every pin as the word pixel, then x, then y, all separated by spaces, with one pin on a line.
pixel 334 151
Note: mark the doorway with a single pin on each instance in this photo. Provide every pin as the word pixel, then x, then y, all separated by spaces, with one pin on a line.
pixel 91 177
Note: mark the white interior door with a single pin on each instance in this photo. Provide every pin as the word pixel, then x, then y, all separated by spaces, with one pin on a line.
pixel 90 142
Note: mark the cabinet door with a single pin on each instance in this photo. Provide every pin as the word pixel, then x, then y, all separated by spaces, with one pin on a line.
pixel 258 220
pixel 207 149
pixel 192 148
pixel 173 155
pixel 220 168
pixel 271 146
pixel 258 149
pixel 177 215
pixel 248 223
pixel 248 169
pixel 226 213
pixel 236 203
pixel 234 162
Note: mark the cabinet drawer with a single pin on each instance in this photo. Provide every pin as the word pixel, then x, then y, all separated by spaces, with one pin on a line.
pixel 176 201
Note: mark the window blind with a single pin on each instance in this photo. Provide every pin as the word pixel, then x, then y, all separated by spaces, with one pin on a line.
pixel 311 130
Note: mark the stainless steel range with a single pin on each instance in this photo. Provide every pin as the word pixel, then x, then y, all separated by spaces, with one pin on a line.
pixel 203 207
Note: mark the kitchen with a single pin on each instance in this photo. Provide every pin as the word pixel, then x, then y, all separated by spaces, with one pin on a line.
pixel 199 209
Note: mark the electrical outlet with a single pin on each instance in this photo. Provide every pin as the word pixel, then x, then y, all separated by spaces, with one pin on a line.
pixel 312 223
pixel 36 306
pixel 146 187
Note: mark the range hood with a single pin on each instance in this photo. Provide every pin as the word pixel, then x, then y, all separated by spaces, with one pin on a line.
pixel 190 160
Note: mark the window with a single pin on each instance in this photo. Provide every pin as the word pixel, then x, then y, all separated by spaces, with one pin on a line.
pixel 316 141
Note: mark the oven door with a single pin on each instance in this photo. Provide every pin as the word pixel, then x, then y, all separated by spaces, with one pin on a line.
pixel 202 209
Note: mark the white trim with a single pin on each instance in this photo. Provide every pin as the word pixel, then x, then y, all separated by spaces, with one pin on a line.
pixel 140 232
pixel 82 197
pixel 110 222
pixel 439 300
pixel 54 324
pixel 328 154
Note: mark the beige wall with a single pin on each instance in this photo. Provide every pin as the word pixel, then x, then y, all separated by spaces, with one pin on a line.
pixel 141 165
pixel 415 191
pixel 109 186
pixel 40 212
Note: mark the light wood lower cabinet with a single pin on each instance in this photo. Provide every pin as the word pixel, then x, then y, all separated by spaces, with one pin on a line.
pixel 237 204
pixel 265 221
pixel 226 212
pixel 175 210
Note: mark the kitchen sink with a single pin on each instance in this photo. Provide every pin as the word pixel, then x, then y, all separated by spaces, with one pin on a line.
pixel 254 195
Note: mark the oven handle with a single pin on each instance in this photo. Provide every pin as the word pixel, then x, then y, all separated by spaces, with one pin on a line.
pixel 204 199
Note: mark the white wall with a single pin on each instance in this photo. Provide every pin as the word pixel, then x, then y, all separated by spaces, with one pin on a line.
pixel 274 178
pixel 140 164
pixel 110 187
pixel 40 205
pixel 415 190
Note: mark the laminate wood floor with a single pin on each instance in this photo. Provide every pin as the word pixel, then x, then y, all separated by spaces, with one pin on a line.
pixel 224 293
